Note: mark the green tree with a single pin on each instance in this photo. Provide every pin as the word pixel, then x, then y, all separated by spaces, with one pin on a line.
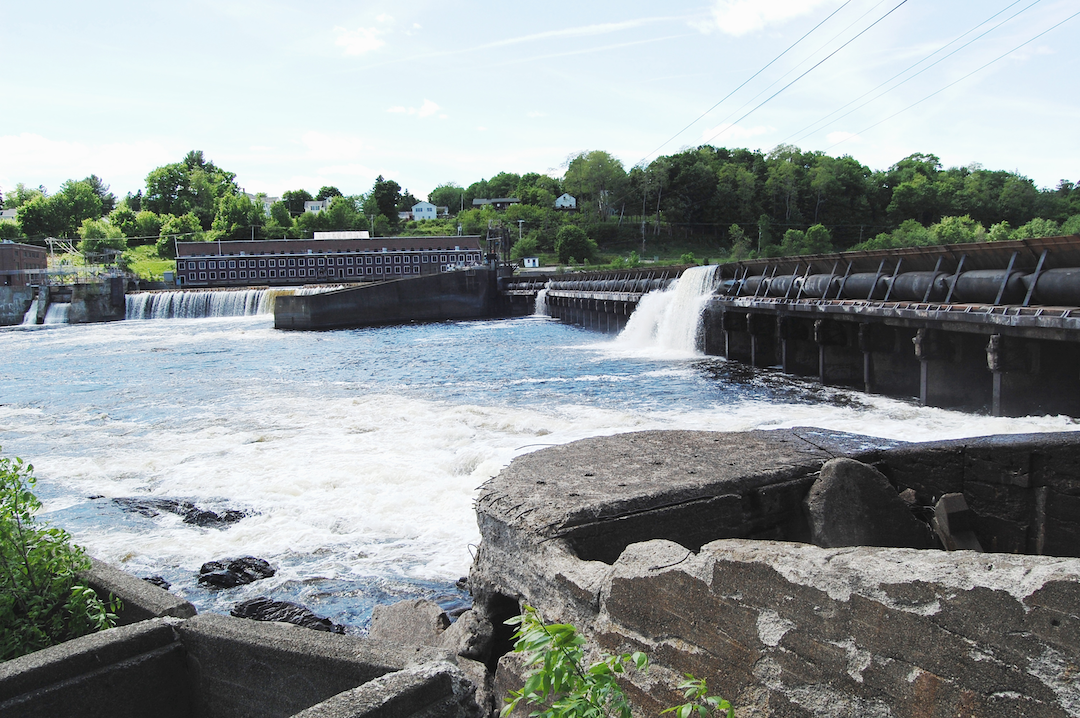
pixel 99 188
pixel 43 600
pixel 326 192
pixel 1037 227
pixel 406 202
pixel 294 201
pixel 10 230
pixel 185 228
pixel 504 184
pixel 147 224
pixel 279 214
pixel 957 230
pixel 448 194
pixel 101 241
pixel 123 218
pixel 384 200
pixel 21 195
pixel 191 186
pixel 571 242
pixel 38 218
pixel 525 247
pixel 597 180
pixel 237 217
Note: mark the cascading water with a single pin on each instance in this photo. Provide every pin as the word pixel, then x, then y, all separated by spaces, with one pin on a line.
pixel 540 309
pixel 202 303
pixel 670 319
pixel 30 317
pixel 57 313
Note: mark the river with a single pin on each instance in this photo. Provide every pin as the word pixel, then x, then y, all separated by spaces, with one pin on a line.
pixel 356 454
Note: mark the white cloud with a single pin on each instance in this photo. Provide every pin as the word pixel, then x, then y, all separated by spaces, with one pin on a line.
pixel 359 41
pixel 837 137
pixel 332 147
pixel 739 17
pixel 730 133
pixel 427 109
pixel 384 18
pixel 537 113
pixel 34 159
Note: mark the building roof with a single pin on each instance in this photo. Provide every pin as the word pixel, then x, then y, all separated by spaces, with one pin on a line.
pixel 301 246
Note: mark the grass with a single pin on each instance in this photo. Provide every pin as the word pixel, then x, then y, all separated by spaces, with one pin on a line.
pixel 145 263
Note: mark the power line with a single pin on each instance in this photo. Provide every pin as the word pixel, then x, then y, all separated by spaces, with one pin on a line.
pixel 744 83
pixel 937 92
pixel 815 66
pixel 911 67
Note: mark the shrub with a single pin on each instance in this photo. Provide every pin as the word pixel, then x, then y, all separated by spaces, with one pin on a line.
pixel 571 241
pixel 42 601
pixel 559 682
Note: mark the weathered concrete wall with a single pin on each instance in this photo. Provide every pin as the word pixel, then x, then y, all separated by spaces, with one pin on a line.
pixel 642 540
pixel 98 302
pixel 135 670
pixel 141 599
pixel 14 301
pixel 467 294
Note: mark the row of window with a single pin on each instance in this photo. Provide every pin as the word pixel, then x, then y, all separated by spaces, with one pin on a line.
pixel 321 261
pixel 294 273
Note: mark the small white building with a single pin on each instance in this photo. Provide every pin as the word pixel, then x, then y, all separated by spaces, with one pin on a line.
pixel 566 201
pixel 266 202
pixel 424 210
pixel 530 262
pixel 317 205
pixel 10 215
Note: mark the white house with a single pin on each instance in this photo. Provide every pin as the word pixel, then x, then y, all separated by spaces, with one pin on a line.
pixel 266 201
pixel 566 201
pixel 424 210
pixel 11 215
pixel 317 205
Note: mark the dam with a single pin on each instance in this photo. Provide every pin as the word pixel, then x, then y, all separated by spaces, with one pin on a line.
pixel 990 327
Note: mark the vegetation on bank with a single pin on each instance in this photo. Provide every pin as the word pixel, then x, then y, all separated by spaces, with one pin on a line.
pixel 562 685
pixel 42 599
pixel 715 203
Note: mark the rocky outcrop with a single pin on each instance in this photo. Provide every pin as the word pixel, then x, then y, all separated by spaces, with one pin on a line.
pixel 697 548
pixel 191 513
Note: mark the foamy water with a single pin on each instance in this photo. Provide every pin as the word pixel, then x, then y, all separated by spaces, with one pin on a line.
pixel 357 453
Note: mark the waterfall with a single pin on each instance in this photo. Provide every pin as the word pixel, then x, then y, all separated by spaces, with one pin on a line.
pixel 31 314
pixel 670 318
pixel 57 313
pixel 202 303
pixel 540 309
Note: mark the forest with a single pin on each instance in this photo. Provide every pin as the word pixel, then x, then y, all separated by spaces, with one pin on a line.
pixel 722 203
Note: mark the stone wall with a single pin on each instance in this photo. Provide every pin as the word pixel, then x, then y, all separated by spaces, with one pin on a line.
pixel 693 546
pixel 14 301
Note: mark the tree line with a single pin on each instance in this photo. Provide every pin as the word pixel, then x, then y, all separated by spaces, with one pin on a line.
pixel 739 202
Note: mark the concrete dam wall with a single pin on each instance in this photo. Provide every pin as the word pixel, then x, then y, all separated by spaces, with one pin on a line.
pixel 466 294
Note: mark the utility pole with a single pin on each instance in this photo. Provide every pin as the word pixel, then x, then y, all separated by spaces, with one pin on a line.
pixel 520 222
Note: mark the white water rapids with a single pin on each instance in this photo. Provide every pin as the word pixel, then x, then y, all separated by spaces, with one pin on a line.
pixel 356 454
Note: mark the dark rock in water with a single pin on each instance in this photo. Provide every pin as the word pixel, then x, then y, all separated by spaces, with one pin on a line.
pixel 462 584
pixel 265 609
pixel 222 574
pixel 158 581
pixel 191 513
pixel 210 519
pixel 853 504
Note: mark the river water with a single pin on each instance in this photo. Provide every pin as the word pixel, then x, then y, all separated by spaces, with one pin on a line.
pixel 356 454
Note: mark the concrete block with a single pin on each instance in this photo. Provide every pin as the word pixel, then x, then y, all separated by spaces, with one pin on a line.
pixel 954 524
pixel 430 690
pixel 134 670
pixel 415 622
pixel 142 600
pixel 250 668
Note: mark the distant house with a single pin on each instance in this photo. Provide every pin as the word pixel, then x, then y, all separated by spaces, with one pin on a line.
pixel 316 205
pixel 424 210
pixel 499 203
pixel 404 216
pixel 9 215
pixel 566 201
pixel 266 201
pixel 530 262
pixel 442 211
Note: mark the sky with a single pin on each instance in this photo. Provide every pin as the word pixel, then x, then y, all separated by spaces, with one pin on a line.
pixel 298 96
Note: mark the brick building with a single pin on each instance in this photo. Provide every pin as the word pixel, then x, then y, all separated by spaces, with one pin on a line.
pixel 21 264
pixel 277 262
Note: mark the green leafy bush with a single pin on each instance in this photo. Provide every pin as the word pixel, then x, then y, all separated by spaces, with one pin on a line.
pixel 559 681
pixel 563 687
pixel 42 601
